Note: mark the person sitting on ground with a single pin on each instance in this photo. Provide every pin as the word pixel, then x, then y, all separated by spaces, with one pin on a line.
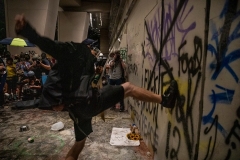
pixel 31 89
pixel 71 74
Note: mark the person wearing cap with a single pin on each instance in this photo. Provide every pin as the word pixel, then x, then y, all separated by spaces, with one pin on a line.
pixel 75 62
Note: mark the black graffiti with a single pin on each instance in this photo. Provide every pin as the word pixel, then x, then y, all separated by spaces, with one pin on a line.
pixel 224 39
pixel 187 118
pixel 187 65
pixel 230 12
pixel 168 139
pixel 133 68
pixel 152 108
pixel 149 130
pixel 129 57
pixel 193 68
pixel 155 82
pixel 233 133
pixel 238 112
pixel 192 64
pixel 206 131
pixel 174 152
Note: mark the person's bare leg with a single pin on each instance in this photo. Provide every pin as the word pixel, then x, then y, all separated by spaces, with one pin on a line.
pixel 168 99
pixel 141 94
pixel 76 149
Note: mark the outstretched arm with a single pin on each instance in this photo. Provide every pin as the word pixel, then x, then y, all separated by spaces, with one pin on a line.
pixel 23 28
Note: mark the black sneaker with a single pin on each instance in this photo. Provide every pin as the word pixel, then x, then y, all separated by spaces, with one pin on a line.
pixel 170 95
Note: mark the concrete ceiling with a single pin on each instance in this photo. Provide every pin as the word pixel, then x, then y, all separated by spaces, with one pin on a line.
pixel 99 9
pixel 105 14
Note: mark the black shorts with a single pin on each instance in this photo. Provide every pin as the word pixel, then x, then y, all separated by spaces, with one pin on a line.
pixel 107 97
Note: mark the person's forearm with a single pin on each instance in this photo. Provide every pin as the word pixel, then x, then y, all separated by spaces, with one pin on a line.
pixel 47 67
pixel 36 87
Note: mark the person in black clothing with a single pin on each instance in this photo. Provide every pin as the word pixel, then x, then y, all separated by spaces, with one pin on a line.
pixel 75 64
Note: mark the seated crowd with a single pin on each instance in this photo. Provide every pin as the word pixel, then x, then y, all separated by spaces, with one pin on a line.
pixel 26 74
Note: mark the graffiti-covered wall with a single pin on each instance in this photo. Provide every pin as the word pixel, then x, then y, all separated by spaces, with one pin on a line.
pixel 220 125
pixel 196 43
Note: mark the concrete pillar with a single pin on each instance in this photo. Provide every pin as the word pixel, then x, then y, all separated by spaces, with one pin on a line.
pixel 41 14
pixel 73 26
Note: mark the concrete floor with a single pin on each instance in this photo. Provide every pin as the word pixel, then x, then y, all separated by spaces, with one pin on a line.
pixel 54 145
